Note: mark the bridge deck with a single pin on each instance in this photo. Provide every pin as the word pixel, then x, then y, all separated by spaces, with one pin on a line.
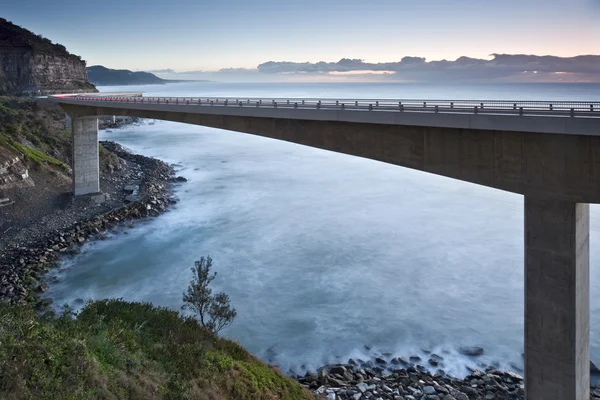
pixel 563 117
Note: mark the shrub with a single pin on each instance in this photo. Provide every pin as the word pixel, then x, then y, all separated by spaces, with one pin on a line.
pixel 214 311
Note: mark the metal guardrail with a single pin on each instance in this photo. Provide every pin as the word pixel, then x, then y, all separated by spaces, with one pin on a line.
pixel 549 108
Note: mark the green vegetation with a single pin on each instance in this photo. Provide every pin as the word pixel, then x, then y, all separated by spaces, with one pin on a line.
pixel 12 35
pixel 118 350
pixel 34 154
pixel 37 133
pixel 114 349
pixel 215 311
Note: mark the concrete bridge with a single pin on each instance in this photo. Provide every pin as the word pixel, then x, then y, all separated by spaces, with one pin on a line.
pixel 547 151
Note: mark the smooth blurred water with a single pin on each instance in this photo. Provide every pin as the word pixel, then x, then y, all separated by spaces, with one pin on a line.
pixel 323 253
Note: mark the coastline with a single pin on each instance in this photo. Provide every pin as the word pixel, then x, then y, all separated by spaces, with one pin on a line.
pixel 397 380
pixel 144 191
pixel 401 379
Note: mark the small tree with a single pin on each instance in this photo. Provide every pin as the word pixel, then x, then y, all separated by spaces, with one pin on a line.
pixel 214 311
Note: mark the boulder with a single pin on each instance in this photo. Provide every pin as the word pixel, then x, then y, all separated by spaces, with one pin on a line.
pixel 433 363
pixel 429 390
pixel 130 189
pixel 470 351
pixel 337 369
pixel 380 361
pixel 42 288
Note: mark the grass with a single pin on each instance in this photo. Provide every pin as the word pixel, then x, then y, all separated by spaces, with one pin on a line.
pixel 34 131
pixel 35 155
pixel 38 133
pixel 118 350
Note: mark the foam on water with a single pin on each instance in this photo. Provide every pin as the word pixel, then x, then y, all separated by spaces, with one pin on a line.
pixel 323 253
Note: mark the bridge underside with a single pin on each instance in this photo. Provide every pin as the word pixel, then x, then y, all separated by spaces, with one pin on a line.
pixel 541 164
pixel 557 174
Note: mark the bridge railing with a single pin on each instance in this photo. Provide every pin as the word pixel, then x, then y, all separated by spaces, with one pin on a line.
pixel 572 108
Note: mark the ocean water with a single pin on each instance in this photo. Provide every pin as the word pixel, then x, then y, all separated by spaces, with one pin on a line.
pixel 327 256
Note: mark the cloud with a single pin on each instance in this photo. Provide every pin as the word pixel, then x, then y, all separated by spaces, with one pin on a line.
pixel 501 67
pixel 498 68
pixel 161 71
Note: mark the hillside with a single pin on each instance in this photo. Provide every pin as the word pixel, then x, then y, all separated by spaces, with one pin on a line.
pixel 35 159
pixel 119 350
pixel 32 65
pixel 113 349
pixel 14 36
pixel 102 76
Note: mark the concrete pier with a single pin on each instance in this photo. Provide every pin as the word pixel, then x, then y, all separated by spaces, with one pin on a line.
pixel 557 363
pixel 86 170
pixel 68 123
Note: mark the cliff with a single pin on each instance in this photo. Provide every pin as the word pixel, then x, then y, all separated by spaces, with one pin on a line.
pixel 33 65
pixel 13 173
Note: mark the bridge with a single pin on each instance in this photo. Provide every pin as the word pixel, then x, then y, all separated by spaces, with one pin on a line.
pixel 547 151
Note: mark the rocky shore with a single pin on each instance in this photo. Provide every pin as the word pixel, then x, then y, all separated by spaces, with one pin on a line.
pixel 402 380
pixel 23 263
pixel 116 122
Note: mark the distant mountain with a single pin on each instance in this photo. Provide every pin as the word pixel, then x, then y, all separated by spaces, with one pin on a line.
pixel 102 76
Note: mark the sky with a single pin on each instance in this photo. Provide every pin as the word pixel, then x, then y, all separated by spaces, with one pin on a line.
pixel 207 35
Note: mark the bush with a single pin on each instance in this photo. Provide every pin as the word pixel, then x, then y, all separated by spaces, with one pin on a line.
pixel 215 312
pixel 118 350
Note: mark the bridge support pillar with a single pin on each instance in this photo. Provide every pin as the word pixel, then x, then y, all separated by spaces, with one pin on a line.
pixel 557 343
pixel 86 169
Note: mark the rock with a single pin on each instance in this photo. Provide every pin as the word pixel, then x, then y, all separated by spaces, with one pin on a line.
pixel 415 359
pixel 322 376
pixel 180 179
pixel 433 362
pixel 42 288
pixel 470 351
pixel 362 387
pixel 378 370
pixel 129 189
pixel 429 390
pixel 593 368
pixel 337 369
pixel 513 376
pixel 380 361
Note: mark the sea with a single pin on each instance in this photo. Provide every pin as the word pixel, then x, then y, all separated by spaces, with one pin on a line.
pixel 326 256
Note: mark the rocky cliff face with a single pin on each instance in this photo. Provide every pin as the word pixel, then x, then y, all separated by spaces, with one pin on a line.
pixel 13 173
pixel 24 72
